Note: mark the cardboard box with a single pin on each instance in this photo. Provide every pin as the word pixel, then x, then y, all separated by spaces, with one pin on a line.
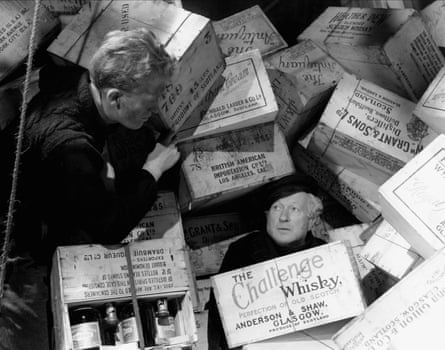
pixel 224 166
pixel 430 107
pixel 203 287
pixel 201 231
pixel 188 37
pixel 163 220
pixel 406 317
pixel 374 282
pixel 389 251
pixel 433 16
pixel 201 326
pixel 247 30
pixel 391 48
pixel 245 99
pixel 93 275
pixel 15 30
pixel 207 260
pixel 287 294
pixel 368 130
pixel 353 192
pixel 317 338
pixel 412 200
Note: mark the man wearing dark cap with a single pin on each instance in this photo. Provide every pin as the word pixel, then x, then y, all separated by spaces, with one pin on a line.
pixel 291 209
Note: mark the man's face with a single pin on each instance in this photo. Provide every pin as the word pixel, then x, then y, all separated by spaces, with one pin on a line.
pixel 133 109
pixel 288 219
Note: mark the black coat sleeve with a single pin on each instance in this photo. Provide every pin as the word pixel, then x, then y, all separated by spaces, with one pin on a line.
pixel 82 199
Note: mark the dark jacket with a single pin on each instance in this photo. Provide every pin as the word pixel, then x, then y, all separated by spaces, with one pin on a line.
pixel 63 177
pixel 249 250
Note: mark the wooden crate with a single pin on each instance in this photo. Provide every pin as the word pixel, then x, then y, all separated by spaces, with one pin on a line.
pixel 317 338
pixel 313 71
pixel 374 282
pixel 389 251
pixel 163 220
pixel 15 30
pixel 221 167
pixel 353 192
pixel 407 317
pixel 430 107
pixel 433 16
pixel 93 275
pixel 368 130
pixel 288 294
pixel 188 37
pixel 391 48
pixel 245 99
pixel 207 260
pixel 201 231
pixel 412 200
pixel 247 30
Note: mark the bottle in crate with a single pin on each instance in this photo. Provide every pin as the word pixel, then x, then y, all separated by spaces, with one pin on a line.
pixel 112 326
pixel 164 322
pixel 86 328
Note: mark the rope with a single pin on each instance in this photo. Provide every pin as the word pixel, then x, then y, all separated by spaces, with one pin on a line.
pixel 18 151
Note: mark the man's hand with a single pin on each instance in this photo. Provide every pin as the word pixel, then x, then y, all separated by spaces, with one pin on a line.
pixel 161 159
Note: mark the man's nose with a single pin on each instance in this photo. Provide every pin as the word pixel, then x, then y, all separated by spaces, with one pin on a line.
pixel 284 215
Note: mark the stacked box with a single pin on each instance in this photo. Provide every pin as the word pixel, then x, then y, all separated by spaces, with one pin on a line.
pixel 93 275
pixel 356 194
pixel 373 281
pixel 163 220
pixel 203 287
pixel 406 317
pixel 430 107
pixel 207 260
pixel 245 99
pixel 412 200
pixel 303 78
pixel 433 16
pixel 247 30
pixel 295 292
pixel 201 326
pixel 317 338
pixel 389 251
pixel 224 166
pixel 391 48
pixel 201 231
pixel 368 130
pixel 186 36
pixel 15 31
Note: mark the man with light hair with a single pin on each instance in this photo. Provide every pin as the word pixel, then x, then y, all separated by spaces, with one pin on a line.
pixel 66 175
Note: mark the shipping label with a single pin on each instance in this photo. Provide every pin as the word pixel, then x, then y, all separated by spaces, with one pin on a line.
pixel 95 272
pixel 288 294
pixel 248 30
pixel 422 194
pixel 234 159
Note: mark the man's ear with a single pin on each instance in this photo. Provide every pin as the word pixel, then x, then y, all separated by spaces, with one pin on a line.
pixel 113 96
pixel 315 208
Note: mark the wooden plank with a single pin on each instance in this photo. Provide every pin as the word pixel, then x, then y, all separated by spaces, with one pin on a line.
pixel 247 30
pixel 390 47
pixel 287 294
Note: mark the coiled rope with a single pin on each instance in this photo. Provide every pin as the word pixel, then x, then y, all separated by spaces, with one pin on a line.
pixel 18 151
